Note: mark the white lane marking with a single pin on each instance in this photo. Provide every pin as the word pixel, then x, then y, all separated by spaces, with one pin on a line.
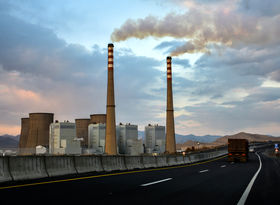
pixel 156 182
pixel 206 170
pixel 223 166
pixel 232 162
pixel 244 196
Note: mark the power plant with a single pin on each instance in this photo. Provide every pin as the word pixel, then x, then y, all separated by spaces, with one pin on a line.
pixel 110 139
pixel 99 132
pixel 170 130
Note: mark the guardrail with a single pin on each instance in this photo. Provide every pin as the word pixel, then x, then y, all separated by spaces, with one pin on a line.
pixel 14 168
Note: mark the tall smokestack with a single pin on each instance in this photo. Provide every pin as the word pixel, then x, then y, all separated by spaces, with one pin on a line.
pixel 110 140
pixel 170 146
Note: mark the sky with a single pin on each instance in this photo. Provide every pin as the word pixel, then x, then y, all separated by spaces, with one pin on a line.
pixel 226 65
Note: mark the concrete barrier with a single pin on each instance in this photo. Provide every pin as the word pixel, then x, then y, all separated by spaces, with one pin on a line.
pixel 187 159
pixel 85 164
pixel 180 160
pixel 171 160
pixel 60 165
pixel 161 161
pixel 113 163
pixel 27 167
pixel 4 170
pixel 212 155
pixel 32 167
pixel 149 162
pixel 133 162
pixel 195 158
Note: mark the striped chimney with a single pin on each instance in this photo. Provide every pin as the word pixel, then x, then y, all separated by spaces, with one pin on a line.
pixel 110 140
pixel 170 146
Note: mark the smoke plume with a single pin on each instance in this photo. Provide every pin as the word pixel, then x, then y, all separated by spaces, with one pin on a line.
pixel 200 28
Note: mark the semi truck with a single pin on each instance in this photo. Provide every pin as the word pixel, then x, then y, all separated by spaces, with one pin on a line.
pixel 238 150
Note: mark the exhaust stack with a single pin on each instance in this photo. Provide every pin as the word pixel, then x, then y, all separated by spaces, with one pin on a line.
pixel 170 146
pixel 110 140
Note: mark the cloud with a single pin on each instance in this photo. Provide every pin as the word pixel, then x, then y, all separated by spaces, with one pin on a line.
pixel 203 26
pixel 260 8
pixel 221 93
pixel 50 75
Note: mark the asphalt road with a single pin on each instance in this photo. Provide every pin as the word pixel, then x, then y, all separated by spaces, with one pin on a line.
pixel 215 182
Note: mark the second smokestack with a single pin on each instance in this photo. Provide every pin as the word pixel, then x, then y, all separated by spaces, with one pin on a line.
pixel 110 140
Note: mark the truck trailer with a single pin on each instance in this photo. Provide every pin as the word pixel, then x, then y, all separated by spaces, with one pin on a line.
pixel 238 150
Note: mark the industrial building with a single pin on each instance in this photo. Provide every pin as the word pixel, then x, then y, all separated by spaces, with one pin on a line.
pixel 82 130
pixel 38 131
pixel 63 140
pixel 154 139
pixel 97 118
pixel 96 138
pixel 24 133
pixel 127 139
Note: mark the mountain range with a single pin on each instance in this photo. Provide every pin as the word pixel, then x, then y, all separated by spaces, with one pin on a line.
pixel 184 138
pixel 223 140
pixel 10 141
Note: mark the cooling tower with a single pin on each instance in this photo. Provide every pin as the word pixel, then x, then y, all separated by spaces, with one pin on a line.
pixel 170 130
pixel 98 118
pixel 82 130
pixel 24 133
pixel 110 140
pixel 39 124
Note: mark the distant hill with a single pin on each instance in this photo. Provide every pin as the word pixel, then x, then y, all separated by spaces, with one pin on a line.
pixel 201 139
pixel 250 137
pixel 180 139
pixel 190 144
pixel 223 140
pixel 9 141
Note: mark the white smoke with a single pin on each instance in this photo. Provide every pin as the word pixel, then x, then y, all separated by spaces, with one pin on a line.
pixel 201 27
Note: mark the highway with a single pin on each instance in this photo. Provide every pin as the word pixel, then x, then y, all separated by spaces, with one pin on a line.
pixel 213 182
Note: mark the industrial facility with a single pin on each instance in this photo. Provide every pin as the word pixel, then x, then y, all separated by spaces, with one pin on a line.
pixel 35 132
pixel 99 133
pixel 154 139
pixel 97 118
pixel 127 138
pixel 82 130
pixel 24 132
pixel 63 140
pixel 96 138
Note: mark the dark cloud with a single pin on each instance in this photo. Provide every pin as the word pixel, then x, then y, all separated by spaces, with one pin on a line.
pixel 236 117
pixel 275 75
pixel 260 7
pixel 256 62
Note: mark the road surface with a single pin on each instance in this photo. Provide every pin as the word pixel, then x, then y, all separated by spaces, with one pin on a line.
pixel 212 182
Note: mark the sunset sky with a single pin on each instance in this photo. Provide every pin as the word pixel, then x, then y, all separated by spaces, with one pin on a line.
pixel 226 65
